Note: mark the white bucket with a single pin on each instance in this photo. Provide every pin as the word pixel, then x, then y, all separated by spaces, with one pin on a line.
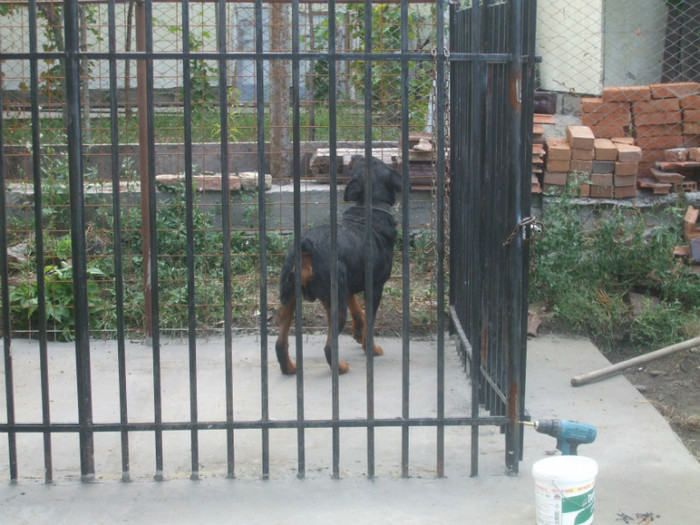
pixel 564 490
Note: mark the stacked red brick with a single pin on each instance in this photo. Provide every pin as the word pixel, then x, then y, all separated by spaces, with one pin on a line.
pixel 605 168
pixel 658 116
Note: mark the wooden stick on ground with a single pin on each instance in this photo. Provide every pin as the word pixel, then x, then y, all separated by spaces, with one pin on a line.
pixel 623 365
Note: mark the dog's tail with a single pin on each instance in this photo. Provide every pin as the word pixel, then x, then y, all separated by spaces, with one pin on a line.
pixel 287 275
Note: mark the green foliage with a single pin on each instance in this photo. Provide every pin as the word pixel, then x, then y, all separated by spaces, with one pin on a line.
pixel 55 192
pixel 208 246
pixel 59 303
pixel 584 271
pixel 202 74
pixel 211 117
pixel 386 75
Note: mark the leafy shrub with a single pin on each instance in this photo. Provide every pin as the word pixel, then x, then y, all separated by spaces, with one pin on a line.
pixel 60 306
pixel 584 272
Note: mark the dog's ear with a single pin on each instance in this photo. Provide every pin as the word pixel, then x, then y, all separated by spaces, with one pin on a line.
pixel 355 190
pixel 396 180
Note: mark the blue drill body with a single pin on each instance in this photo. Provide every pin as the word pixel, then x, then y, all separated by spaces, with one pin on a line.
pixel 569 434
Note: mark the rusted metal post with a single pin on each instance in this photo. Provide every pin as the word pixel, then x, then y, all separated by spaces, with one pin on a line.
pixel 515 268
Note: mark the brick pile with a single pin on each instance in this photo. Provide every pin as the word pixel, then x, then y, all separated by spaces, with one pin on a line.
pixel 658 116
pixel 678 172
pixel 605 168
pixel 539 121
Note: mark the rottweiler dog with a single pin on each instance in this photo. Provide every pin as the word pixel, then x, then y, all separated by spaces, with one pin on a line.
pixel 316 264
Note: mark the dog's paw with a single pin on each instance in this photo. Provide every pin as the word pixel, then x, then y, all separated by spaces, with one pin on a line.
pixel 290 369
pixel 343 368
pixel 378 350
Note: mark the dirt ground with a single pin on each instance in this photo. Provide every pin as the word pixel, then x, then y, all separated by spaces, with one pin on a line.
pixel 672 385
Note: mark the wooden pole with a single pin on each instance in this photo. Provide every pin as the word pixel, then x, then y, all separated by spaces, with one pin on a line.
pixel 623 365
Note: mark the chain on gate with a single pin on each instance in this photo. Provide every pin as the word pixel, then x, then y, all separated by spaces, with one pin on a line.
pixel 446 152
pixel 530 228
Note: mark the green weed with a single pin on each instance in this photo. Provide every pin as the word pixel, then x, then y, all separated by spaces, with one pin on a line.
pixel 585 271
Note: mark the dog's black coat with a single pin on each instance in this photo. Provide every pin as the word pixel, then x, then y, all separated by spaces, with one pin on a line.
pixel 315 247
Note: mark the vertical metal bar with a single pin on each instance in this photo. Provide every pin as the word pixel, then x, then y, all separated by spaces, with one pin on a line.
pixel 153 239
pixel 39 237
pixel 493 145
pixel 515 268
pixel 6 324
pixel 189 228
pixel 77 207
pixel 142 111
pixel 226 233
pixel 530 19
pixel 475 174
pixel 405 246
pixel 333 167
pixel 296 175
pixel 260 106
pixel 369 292
pixel 117 246
pixel 440 244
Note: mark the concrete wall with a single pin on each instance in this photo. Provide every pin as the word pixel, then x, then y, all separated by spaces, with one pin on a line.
pixel 633 41
pixel 589 44
pixel 570 41
pixel 279 210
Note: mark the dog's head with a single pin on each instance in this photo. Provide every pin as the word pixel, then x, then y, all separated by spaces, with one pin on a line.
pixel 385 186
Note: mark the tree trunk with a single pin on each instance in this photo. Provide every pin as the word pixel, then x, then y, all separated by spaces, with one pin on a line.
pixel 280 151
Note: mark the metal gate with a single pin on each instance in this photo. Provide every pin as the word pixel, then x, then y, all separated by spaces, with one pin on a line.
pixel 492 102
pixel 489 106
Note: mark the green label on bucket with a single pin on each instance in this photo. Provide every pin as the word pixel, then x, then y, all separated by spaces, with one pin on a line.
pixel 579 507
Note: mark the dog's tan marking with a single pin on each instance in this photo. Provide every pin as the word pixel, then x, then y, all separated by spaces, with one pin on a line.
pixel 343 367
pixel 359 328
pixel 358 319
pixel 307 271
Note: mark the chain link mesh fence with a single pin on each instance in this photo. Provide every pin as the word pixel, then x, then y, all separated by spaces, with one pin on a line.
pixel 625 68
pixel 628 68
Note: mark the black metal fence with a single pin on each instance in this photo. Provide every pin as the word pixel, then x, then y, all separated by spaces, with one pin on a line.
pixel 490 197
pixel 489 107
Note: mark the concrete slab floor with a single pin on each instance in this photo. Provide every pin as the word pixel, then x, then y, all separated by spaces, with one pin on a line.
pixel 643 465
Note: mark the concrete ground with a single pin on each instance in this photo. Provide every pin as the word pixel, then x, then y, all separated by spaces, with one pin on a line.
pixel 643 466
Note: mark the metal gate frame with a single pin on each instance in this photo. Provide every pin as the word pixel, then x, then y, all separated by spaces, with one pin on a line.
pixel 501 391
pixel 493 90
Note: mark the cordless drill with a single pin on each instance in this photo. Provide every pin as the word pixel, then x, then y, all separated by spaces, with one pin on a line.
pixel 569 434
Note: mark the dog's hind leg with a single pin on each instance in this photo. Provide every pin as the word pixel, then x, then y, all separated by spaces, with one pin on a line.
pixel 342 315
pixel 286 316
pixel 358 319
pixel 359 328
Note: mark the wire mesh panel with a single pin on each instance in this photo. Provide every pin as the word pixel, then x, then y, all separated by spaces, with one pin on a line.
pixel 158 159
